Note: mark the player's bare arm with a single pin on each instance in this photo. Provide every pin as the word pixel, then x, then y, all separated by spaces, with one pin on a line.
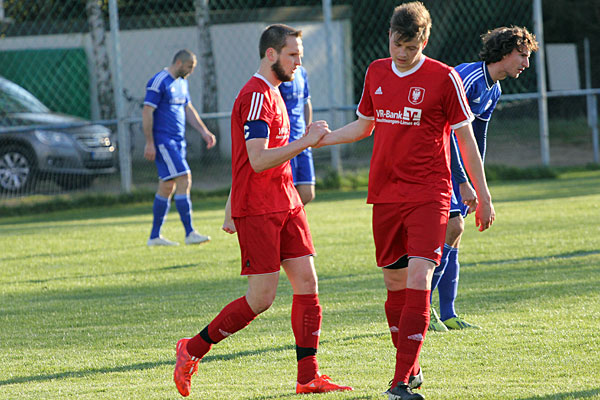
pixel 484 214
pixel 192 117
pixel 228 225
pixel 308 112
pixel 147 125
pixel 469 197
pixel 262 158
pixel 352 132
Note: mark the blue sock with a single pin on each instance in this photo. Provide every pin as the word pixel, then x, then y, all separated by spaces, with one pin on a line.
pixel 439 270
pixel 160 209
pixel 448 286
pixel 184 206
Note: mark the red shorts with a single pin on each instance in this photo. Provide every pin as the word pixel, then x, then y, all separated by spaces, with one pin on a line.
pixel 406 230
pixel 266 240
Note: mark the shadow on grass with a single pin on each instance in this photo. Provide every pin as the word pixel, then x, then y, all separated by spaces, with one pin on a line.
pixel 563 256
pixel 507 282
pixel 294 395
pixel 74 252
pixel 581 394
pixel 94 276
pixel 573 186
pixel 94 212
pixel 140 366
pixel 85 372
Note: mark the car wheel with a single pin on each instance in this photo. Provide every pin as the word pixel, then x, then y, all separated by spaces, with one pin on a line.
pixel 17 169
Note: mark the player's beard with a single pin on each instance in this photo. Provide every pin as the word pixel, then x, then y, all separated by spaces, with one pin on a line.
pixel 182 74
pixel 280 72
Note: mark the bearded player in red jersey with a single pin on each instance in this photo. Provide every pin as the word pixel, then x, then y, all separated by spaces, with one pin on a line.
pixel 413 102
pixel 266 211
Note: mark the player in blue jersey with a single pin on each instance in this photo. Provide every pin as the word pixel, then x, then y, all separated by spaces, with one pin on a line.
pixel 506 52
pixel 296 95
pixel 167 108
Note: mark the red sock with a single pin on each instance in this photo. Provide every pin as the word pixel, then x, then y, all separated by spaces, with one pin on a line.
pixel 306 324
pixel 235 316
pixel 416 367
pixel 393 310
pixel 413 327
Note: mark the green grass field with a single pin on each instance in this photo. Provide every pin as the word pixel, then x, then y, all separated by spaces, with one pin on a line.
pixel 87 311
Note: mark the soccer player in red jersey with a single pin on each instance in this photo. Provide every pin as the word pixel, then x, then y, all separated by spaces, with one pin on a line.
pixel 412 102
pixel 266 211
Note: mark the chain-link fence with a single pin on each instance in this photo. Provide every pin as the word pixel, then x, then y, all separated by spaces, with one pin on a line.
pixel 57 76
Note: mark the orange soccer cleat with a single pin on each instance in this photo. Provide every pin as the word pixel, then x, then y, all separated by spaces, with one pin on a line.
pixel 185 367
pixel 321 384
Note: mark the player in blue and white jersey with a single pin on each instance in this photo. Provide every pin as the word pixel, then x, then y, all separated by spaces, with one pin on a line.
pixel 505 52
pixel 296 95
pixel 167 108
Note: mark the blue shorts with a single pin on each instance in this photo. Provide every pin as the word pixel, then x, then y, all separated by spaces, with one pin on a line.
pixel 170 159
pixel 303 169
pixel 456 204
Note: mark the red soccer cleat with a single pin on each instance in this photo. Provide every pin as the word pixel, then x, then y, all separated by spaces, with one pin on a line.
pixel 185 367
pixel 321 384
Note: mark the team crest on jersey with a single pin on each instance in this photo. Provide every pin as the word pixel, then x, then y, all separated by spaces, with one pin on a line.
pixel 416 95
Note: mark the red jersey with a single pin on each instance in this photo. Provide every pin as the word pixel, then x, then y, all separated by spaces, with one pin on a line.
pixel 272 190
pixel 414 114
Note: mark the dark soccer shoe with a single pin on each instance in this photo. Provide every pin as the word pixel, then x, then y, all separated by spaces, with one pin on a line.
pixel 403 392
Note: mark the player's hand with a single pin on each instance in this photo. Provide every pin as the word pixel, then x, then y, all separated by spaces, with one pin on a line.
pixel 210 139
pixel 315 132
pixel 228 225
pixel 469 197
pixel 485 215
pixel 149 152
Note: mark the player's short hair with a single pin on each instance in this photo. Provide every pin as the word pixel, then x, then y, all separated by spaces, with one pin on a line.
pixel 503 40
pixel 183 55
pixel 275 36
pixel 410 21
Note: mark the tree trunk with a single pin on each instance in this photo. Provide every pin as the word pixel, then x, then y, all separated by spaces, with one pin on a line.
pixel 206 62
pixel 101 60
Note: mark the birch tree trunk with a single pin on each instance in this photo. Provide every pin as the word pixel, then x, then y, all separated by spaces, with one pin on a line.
pixel 206 61
pixel 101 60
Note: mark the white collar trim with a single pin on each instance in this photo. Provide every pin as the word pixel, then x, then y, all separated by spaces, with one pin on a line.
pixel 259 76
pixel 410 71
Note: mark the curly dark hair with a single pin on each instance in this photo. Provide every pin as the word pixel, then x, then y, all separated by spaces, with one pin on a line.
pixel 502 41
pixel 410 21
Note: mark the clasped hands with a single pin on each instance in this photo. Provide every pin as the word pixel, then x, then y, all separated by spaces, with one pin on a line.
pixel 315 132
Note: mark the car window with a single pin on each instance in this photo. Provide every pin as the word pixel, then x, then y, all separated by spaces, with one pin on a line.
pixel 15 99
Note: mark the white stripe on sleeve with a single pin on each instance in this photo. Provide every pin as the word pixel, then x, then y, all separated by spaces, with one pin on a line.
pixel 255 106
pixel 460 91
pixel 157 81
pixel 471 78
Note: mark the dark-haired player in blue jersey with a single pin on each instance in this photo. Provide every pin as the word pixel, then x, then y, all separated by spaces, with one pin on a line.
pixel 296 95
pixel 167 107
pixel 506 52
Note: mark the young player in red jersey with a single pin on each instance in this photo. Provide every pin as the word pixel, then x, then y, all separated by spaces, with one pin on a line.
pixel 413 102
pixel 267 213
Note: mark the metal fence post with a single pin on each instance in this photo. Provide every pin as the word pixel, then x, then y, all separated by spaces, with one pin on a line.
pixel 123 133
pixel 540 67
pixel 336 159
pixel 592 107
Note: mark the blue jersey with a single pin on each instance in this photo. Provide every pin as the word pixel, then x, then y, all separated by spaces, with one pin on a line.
pixel 482 94
pixel 169 97
pixel 296 93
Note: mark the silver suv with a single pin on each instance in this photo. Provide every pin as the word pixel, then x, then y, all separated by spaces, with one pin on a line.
pixel 36 143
